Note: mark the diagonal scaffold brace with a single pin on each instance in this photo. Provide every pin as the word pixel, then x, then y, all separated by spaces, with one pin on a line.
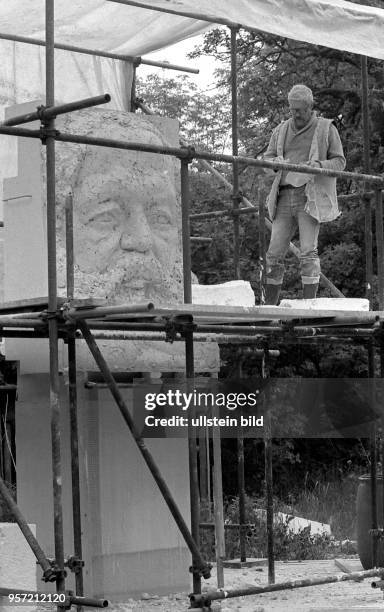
pixel 49 570
pixel 202 566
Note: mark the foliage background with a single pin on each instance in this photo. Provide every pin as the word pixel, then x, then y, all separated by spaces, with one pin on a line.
pixel 268 66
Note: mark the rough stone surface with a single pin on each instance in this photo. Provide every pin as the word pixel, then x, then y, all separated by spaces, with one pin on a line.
pixel 328 304
pixel 17 563
pixel 297 524
pixel 147 356
pixel 127 216
pixel 232 293
pixel 127 230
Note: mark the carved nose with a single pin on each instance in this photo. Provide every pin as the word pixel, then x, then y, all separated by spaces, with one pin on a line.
pixel 137 237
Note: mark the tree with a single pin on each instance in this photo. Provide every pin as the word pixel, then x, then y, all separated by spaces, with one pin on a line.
pixel 268 66
pixel 204 120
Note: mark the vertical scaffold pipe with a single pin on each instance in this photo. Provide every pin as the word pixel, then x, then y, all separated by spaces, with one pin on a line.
pixel 380 274
pixel 190 373
pixel 382 428
pixel 268 477
pixel 367 169
pixel 241 477
pixel 218 501
pixel 72 396
pixel 373 466
pixel 70 258
pixel 203 470
pixel 241 486
pixel 192 452
pixel 186 233
pixel 380 245
pixel 52 301
pixel 369 276
pixel 262 245
pixel 235 151
pixel 132 99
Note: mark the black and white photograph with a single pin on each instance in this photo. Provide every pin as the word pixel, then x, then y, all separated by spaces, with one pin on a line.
pixel 192 305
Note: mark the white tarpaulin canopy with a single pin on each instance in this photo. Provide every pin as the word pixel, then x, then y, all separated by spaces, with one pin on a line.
pixel 133 29
pixel 109 25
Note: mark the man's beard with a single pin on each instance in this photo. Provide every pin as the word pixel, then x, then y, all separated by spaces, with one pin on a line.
pixel 129 279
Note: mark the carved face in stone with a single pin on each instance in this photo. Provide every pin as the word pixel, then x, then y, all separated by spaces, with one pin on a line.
pixel 126 216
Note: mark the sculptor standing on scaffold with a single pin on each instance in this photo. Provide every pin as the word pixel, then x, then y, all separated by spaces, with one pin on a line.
pixel 301 200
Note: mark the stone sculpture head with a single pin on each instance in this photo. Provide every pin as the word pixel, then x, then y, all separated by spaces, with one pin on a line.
pixel 126 209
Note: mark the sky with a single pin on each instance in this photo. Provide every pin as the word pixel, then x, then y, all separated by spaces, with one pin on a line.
pixel 177 54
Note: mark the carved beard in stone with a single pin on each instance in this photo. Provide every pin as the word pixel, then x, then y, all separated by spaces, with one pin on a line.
pixel 126 227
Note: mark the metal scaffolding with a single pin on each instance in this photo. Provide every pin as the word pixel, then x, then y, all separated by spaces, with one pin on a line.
pixel 63 319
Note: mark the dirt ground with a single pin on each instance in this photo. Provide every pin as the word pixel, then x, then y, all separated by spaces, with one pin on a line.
pixel 344 596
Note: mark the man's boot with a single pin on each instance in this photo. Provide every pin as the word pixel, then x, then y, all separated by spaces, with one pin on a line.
pixel 310 291
pixel 272 294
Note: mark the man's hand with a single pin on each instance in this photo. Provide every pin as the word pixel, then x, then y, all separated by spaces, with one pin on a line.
pixel 313 163
pixel 279 158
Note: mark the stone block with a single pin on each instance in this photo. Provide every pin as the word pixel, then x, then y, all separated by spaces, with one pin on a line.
pixel 17 564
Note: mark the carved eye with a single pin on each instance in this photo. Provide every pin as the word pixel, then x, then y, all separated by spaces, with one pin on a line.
pixel 105 218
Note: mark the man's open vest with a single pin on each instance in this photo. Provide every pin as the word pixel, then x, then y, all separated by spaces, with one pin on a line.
pixel 320 190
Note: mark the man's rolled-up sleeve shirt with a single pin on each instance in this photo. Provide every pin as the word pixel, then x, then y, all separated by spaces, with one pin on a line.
pixel 335 155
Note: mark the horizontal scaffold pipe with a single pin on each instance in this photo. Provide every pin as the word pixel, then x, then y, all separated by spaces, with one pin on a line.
pixel 74 314
pixel 190 154
pixel 253 210
pixel 43 113
pixel 132 59
pixel 7 321
pixel 297 334
pixel 243 331
pixel 206 598
pixel 216 333
pixel 249 210
pixel 160 337
pixel 180 13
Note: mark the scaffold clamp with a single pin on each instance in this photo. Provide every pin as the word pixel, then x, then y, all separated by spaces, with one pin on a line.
pixel 201 570
pixel 188 153
pixel 40 112
pixel 47 133
pixel 53 573
pixel 74 564
pixel 237 197
pixel 170 331
pixel 185 327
